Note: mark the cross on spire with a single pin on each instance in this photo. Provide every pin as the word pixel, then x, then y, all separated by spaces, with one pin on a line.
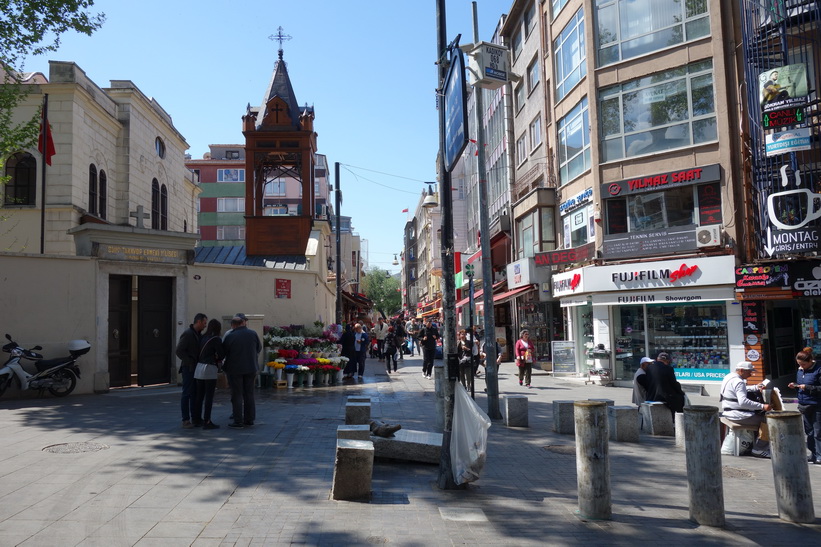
pixel 280 37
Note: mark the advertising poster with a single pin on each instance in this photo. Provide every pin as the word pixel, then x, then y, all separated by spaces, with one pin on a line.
pixel 783 87
pixel 564 356
pixel 709 204
pixel 783 142
pixel 283 288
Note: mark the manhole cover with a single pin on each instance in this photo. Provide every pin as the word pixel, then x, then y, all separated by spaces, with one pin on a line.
pixel 75 448
pixel 566 449
pixel 376 540
pixel 736 473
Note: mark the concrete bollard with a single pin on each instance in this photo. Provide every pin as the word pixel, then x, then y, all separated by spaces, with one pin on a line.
pixel 788 450
pixel 679 427
pixel 563 417
pixel 703 452
pixel 592 459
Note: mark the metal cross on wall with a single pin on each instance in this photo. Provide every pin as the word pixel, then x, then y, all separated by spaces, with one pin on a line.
pixel 139 214
pixel 280 37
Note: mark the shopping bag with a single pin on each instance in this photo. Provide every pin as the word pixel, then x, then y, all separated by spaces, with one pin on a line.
pixel 468 440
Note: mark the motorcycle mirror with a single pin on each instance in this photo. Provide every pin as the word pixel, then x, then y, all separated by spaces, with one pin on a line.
pixel 38 348
pixel 8 337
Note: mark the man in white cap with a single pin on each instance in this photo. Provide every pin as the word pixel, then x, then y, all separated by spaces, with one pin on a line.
pixel 640 382
pixel 738 407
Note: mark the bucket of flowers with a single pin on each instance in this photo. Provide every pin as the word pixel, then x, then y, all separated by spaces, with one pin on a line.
pixel 290 372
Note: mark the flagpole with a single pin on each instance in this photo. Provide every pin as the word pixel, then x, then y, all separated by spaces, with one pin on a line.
pixel 44 141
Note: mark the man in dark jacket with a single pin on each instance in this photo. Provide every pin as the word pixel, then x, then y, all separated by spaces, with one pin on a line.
pixel 188 351
pixel 662 384
pixel 428 337
pixel 242 347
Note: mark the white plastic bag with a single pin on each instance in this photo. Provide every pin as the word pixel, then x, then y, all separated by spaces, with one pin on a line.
pixel 468 441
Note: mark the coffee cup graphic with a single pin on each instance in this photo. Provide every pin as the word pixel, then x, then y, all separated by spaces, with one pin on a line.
pixel 793 209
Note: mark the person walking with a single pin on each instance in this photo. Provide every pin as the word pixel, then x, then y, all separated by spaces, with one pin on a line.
pixel 361 344
pixel 464 350
pixel 662 385
pixel 347 341
pixel 523 352
pixel 242 347
pixel 640 382
pixel 808 384
pixel 412 329
pixel 380 331
pixel 188 352
pixel 401 336
pixel 211 355
pixel 428 337
pixel 390 349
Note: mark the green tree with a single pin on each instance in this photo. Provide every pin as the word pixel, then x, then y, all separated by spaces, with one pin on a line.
pixel 32 27
pixel 383 290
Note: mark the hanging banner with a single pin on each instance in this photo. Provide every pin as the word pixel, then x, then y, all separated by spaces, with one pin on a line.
pixel 793 140
pixel 783 87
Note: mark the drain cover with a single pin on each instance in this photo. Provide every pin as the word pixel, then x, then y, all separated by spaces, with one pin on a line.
pixel 376 540
pixel 736 473
pixel 567 449
pixel 75 448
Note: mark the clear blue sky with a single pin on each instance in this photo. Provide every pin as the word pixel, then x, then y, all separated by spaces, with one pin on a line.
pixel 367 66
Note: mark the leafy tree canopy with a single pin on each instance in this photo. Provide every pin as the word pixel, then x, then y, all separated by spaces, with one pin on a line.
pixel 383 290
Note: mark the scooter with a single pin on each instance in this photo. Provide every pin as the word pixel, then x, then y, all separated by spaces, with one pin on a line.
pixel 59 375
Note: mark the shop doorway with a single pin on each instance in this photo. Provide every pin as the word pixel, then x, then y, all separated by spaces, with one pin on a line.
pixel 785 339
pixel 140 320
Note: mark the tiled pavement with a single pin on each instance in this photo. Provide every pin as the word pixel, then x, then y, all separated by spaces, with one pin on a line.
pixel 158 484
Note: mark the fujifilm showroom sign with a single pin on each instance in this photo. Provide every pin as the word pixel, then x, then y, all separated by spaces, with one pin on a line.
pixel 719 270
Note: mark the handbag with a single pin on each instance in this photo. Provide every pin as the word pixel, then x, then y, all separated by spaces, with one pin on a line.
pixel 206 371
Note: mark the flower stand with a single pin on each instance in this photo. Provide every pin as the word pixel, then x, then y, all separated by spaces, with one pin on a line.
pixel 278 374
pixel 289 378
pixel 310 377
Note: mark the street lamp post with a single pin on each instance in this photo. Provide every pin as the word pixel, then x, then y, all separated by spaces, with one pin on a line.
pixel 470 272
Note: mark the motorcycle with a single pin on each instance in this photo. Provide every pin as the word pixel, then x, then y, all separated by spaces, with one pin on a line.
pixel 59 376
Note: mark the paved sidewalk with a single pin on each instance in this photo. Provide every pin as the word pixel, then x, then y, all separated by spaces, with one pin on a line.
pixel 158 484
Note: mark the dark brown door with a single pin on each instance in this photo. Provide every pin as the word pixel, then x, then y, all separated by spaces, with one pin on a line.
pixel 154 327
pixel 119 330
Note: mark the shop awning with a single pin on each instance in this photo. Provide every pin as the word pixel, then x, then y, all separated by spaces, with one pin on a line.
pixel 427 313
pixel 502 297
pixel 478 294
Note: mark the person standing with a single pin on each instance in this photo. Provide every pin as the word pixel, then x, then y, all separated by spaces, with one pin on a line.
pixel 808 384
pixel 523 352
pixel 390 349
pixel 242 347
pixel 662 385
pixel 401 336
pixel 428 337
pixel 347 342
pixel 640 382
pixel 361 343
pixel 188 351
pixel 211 355
pixel 380 332
pixel 464 349
pixel 412 329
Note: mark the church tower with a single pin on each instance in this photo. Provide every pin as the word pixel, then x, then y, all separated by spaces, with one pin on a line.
pixel 280 144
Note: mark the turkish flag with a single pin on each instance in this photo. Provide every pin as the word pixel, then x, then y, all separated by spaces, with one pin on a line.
pixel 404 210
pixel 45 136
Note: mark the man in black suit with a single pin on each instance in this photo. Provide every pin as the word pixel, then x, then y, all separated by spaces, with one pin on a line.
pixel 662 384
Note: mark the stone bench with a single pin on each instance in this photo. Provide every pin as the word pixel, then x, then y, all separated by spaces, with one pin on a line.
pixel 357 413
pixel 563 420
pixel 734 444
pixel 624 423
pixel 409 445
pixel 514 410
pixel 656 419
pixel 353 470
pixel 353 432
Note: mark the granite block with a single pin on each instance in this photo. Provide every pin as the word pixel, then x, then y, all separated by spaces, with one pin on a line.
pixel 608 401
pixel 353 470
pixel 357 413
pixel 358 399
pixel 354 432
pixel 514 409
pixel 656 419
pixel 409 445
pixel 563 420
pixel 624 423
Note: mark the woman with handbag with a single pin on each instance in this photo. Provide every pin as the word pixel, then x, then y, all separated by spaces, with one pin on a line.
pixel 211 355
pixel 523 352
pixel 464 350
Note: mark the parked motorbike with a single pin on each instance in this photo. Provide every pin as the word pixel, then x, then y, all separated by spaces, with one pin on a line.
pixel 59 376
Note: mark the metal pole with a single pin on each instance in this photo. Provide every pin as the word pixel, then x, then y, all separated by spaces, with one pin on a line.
pixel 44 137
pixel 445 480
pixel 338 205
pixel 491 372
pixel 473 339
pixel 703 454
pixel 592 459
pixel 788 450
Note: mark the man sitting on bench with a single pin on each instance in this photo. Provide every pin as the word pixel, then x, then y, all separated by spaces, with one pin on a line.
pixel 739 406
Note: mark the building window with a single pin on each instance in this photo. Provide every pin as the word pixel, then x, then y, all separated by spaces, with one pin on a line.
pixel 155 205
pixel 667 110
pixel 574 143
pixel 21 168
pixel 230 205
pixel 516 42
pixel 629 28
pixel 230 233
pixel 557 7
pixel 535 133
pixel 533 75
pixel 275 210
pixel 92 189
pixel 102 191
pixel 579 227
pixel 568 50
pixel 159 146
pixel 521 149
pixel 232 154
pixel 196 175
pixel 678 206
pixel 275 187
pixel 230 175
pixel 526 237
pixel 519 97
pixel 530 18
pixel 548 228
pixel 163 208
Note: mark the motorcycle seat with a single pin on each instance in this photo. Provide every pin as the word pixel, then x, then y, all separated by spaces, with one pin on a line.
pixel 45 364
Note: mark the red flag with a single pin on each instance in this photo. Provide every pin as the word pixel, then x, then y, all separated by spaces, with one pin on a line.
pixel 47 150
pixel 404 210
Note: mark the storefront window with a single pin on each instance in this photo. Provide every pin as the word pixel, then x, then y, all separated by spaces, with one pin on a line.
pixel 535 317
pixel 695 336
pixel 630 341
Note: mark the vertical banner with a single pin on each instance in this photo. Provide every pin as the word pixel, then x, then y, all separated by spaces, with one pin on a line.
pixel 283 288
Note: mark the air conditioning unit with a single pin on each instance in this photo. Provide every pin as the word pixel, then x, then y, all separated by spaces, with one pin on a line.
pixel 708 236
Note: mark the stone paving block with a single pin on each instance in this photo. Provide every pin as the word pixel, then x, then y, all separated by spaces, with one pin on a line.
pixel 409 445
pixel 656 419
pixel 563 421
pixel 514 410
pixel 353 470
pixel 357 413
pixel 624 423
pixel 355 432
